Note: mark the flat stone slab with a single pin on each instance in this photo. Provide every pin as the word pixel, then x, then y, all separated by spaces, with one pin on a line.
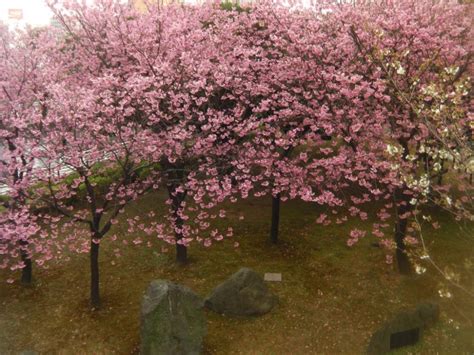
pixel 269 276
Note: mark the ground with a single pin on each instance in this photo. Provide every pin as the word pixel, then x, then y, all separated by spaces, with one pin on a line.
pixel 332 297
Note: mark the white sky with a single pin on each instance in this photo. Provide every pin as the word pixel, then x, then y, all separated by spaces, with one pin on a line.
pixel 35 12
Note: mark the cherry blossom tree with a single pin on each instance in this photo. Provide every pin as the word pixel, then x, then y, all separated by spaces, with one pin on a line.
pixel 182 92
pixel 292 80
pixel 274 83
pixel 20 81
pixel 88 133
pixel 417 55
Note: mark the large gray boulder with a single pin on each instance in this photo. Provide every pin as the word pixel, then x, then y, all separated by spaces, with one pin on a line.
pixel 172 320
pixel 243 294
pixel 406 328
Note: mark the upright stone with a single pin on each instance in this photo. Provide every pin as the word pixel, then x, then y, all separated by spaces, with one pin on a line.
pixel 243 294
pixel 172 320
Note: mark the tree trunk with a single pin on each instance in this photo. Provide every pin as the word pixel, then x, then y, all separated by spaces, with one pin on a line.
pixel 403 261
pixel 275 218
pixel 27 271
pixel 177 199
pixel 181 253
pixel 95 291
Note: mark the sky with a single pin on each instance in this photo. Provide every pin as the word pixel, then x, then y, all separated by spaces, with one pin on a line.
pixel 35 12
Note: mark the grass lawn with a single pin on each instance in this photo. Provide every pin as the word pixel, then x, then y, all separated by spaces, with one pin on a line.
pixel 332 297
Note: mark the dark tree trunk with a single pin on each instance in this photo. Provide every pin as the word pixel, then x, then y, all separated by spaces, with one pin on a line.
pixel 95 290
pixel 181 253
pixel 403 207
pixel 27 271
pixel 275 218
pixel 177 199
pixel 402 259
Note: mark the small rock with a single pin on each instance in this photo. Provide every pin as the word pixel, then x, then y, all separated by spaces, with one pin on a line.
pixel 243 294
pixel 172 320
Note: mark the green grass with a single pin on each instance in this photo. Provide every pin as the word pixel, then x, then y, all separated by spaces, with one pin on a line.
pixel 332 297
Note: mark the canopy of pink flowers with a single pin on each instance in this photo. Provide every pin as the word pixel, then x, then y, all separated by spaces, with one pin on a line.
pixel 341 105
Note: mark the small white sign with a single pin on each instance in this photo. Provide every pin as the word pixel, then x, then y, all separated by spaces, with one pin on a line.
pixel 272 277
pixel 15 14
